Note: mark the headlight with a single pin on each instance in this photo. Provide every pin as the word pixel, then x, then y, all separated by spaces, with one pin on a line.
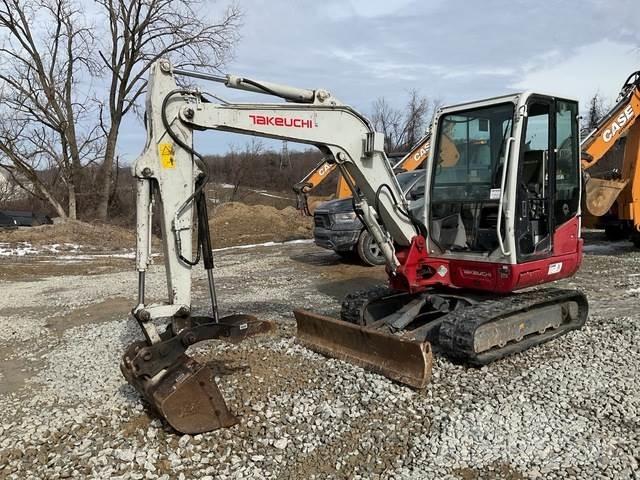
pixel 345 217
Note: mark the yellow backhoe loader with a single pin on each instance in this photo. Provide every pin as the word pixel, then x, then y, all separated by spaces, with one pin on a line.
pixel 612 174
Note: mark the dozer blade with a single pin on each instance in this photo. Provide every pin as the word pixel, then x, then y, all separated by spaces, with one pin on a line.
pixel 405 361
pixel 187 396
pixel 601 194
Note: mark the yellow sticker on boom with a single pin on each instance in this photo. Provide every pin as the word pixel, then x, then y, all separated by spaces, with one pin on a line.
pixel 167 159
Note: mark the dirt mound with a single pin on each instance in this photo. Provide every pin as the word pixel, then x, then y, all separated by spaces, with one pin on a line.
pixel 239 224
pixel 88 236
pixel 231 224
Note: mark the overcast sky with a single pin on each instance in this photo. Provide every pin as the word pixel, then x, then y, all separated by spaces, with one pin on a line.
pixel 452 50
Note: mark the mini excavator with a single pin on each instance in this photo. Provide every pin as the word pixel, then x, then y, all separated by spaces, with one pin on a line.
pixel 501 213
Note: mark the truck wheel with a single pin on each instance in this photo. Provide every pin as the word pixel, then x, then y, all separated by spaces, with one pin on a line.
pixel 368 250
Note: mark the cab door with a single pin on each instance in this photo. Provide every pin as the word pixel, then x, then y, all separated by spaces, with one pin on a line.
pixel 535 188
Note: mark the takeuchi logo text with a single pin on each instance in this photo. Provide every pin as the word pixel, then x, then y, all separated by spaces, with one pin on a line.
pixel 280 121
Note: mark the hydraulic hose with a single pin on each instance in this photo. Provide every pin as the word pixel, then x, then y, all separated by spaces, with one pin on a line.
pixel 200 183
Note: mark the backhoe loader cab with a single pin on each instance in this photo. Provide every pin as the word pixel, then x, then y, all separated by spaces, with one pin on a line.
pixel 504 183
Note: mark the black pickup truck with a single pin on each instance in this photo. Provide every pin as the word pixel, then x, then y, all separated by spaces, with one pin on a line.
pixel 337 228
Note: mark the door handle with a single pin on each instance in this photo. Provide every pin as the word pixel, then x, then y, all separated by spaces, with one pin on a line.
pixel 505 167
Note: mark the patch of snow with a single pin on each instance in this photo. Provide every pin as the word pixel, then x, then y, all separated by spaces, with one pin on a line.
pixel 25 248
pixel 127 255
pixel 52 248
pixel 20 250
pixel 265 194
pixel 265 244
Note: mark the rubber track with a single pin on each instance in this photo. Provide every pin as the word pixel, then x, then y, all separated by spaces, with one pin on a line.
pixel 354 304
pixel 456 337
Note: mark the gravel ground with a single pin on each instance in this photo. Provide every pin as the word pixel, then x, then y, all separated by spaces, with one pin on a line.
pixel 569 409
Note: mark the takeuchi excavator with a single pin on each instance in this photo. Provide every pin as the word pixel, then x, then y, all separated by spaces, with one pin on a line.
pixel 409 162
pixel 613 182
pixel 501 213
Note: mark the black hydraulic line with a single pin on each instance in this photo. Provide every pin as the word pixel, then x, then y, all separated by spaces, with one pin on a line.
pixel 631 81
pixel 198 159
pixel 261 87
pixel 376 202
pixel 204 243
pixel 417 224
pixel 204 235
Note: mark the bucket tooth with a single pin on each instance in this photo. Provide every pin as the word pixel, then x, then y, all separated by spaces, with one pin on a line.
pixel 400 359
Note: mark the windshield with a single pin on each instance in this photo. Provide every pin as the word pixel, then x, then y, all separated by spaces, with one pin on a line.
pixel 470 153
pixel 467 172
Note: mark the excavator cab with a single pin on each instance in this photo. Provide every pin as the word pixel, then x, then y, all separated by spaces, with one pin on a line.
pixel 513 194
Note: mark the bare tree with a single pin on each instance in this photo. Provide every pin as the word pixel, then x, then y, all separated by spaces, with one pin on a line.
pixel 141 32
pixel 8 188
pixel 45 50
pixel 387 120
pixel 595 113
pixel 241 164
pixel 403 127
pixel 21 159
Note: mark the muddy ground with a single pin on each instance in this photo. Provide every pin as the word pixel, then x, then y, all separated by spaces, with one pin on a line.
pixel 565 410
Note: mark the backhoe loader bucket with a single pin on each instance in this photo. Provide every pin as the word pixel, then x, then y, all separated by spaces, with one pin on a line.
pixel 180 389
pixel 400 359
pixel 601 194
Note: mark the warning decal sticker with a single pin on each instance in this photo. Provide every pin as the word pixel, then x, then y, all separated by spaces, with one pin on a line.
pixel 167 159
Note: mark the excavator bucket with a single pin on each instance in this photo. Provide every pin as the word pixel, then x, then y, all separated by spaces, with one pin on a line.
pixel 186 395
pixel 400 359
pixel 449 154
pixel 180 389
pixel 601 194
